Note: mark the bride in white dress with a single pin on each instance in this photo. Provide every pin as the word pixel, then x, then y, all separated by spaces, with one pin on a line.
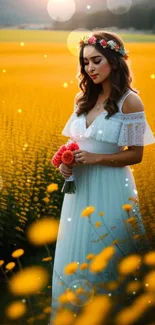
pixel 102 174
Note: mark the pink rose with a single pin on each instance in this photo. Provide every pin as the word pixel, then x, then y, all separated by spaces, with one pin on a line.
pixel 92 40
pixel 116 47
pixel 103 43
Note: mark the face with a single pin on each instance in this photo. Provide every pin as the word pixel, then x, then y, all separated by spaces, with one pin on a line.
pixel 96 63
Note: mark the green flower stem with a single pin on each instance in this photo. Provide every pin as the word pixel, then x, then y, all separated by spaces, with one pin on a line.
pixel 27 297
pixel 107 231
pixel 100 238
pixel 7 279
pixel 48 252
pixel 19 264
pixel 128 213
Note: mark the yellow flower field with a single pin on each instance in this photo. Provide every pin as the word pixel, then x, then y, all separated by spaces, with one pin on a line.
pixel 37 89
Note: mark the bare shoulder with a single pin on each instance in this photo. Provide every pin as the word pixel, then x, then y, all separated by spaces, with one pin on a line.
pixel 132 104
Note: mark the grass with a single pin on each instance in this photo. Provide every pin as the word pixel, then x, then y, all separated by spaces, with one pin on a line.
pixel 43 36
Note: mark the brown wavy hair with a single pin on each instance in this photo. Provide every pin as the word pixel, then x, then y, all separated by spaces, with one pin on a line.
pixel 120 77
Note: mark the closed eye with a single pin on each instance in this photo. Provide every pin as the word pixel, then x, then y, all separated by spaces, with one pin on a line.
pixel 94 62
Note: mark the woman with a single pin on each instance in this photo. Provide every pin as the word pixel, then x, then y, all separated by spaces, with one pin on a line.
pixel 108 116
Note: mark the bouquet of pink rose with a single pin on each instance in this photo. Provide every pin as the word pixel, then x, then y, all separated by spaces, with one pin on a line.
pixel 65 155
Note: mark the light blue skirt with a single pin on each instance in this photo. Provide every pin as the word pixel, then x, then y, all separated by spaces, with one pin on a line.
pixel 107 189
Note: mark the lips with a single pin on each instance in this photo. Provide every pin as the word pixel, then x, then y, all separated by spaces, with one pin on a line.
pixel 94 76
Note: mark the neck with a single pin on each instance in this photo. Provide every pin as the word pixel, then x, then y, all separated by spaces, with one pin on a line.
pixel 106 85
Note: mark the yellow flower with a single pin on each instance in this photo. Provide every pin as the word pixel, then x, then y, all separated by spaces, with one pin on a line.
pixel 112 285
pixel 46 259
pixel 46 199
pixel 17 253
pixel 127 207
pixel 16 310
pixel 64 317
pixel 100 261
pixel 98 224
pixel 137 236
pixel 27 204
pixel 10 266
pixel 84 266
pixel 127 316
pixel 144 301
pixel 47 310
pixel 19 229
pixel 149 258
pixel 22 221
pixel 90 256
pixel 1 262
pixel 131 314
pixel 43 231
pixel 85 39
pixel 52 187
pixel 101 213
pixel 149 281
pixel 133 286
pixel 95 312
pixel 36 189
pixel 107 252
pixel 28 281
pixel 80 290
pixel 35 199
pixel 88 211
pixel 129 264
pixel 98 264
pixel 131 220
pixel 71 296
pixel 67 296
pixel 70 268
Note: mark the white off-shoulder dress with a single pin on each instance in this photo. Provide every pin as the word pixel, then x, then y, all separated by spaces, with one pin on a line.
pixel 107 189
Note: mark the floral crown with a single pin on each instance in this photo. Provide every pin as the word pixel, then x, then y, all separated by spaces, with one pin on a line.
pixel 105 44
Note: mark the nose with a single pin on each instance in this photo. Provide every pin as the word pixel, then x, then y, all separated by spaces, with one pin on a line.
pixel 90 69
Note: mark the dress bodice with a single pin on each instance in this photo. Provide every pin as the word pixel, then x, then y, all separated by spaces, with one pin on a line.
pixel 109 135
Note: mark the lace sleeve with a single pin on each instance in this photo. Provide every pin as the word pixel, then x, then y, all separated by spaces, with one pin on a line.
pixel 135 130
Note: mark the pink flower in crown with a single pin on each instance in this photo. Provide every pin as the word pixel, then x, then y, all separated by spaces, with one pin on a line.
pixel 92 40
pixel 103 43
pixel 116 47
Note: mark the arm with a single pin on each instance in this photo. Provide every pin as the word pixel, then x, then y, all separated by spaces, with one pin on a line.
pixel 120 159
pixel 133 154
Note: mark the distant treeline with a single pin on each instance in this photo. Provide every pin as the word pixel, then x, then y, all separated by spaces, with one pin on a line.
pixel 140 16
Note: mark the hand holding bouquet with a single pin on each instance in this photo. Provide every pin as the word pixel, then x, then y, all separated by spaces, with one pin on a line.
pixel 65 155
